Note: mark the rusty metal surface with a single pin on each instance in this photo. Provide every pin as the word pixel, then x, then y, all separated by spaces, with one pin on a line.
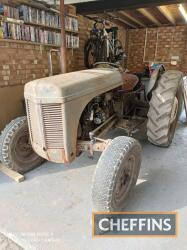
pixel 71 92
pixel 55 105
pixel 97 146
pixel 129 80
pixel 66 87
pixel 105 125
pixel 130 126
pixel 107 128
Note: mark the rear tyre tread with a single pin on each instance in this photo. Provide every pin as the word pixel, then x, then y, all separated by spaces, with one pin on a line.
pixel 161 104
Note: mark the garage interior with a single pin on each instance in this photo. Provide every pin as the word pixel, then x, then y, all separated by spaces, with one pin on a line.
pixel 52 208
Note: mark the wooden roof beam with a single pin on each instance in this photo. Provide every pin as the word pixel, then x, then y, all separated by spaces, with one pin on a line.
pixel 99 6
pixel 112 19
pixel 168 15
pixel 183 11
pixel 149 16
pixel 132 18
pixel 121 18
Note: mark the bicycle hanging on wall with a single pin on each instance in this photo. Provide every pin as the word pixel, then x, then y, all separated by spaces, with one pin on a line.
pixel 103 45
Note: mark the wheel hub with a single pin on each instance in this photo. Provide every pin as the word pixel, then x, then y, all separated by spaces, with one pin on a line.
pixel 124 180
pixel 23 148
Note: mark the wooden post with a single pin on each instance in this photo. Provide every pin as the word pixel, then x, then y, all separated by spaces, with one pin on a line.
pixel 63 38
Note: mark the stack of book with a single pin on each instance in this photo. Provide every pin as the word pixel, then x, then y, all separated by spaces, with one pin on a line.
pixel 33 15
pixel 28 33
pixel 9 11
pixel 72 41
pixel 71 23
pixel 18 24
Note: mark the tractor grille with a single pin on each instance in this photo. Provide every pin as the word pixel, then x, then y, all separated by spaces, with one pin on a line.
pixel 32 112
pixel 53 125
pixel 29 113
pixel 46 125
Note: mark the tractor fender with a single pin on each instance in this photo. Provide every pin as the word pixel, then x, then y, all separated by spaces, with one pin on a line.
pixel 153 80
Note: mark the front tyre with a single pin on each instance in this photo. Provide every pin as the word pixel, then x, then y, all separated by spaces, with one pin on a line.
pixel 15 149
pixel 116 174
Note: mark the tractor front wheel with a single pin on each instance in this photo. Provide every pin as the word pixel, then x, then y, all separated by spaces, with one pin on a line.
pixel 116 174
pixel 15 149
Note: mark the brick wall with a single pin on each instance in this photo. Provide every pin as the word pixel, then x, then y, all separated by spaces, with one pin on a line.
pixel 20 63
pixel 23 62
pixel 159 45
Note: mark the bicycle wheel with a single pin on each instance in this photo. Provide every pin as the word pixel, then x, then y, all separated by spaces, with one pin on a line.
pixel 118 50
pixel 91 52
pixel 103 52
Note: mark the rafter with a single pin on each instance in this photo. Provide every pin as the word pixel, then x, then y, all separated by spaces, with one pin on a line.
pixel 183 11
pixel 132 18
pixel 99 6
pixel 168 15
pixel 112 19
pixel 147 14
pixel 121 18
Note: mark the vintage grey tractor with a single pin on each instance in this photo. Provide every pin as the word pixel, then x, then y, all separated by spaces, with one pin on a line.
pixel 71 113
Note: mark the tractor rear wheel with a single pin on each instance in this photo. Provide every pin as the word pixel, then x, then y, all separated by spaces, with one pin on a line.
pixel 116 174
pixel 165 108
pixel 15 149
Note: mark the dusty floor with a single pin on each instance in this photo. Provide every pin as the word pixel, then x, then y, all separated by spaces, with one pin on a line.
pixel 52 208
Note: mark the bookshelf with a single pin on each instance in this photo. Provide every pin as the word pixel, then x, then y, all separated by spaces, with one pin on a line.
pixel 43 26
pixel 71 31
pixel 31 24
pixel 28 42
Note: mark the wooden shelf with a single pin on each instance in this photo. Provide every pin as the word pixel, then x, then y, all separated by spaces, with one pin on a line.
pixel 28 42
pixel 32 43
pixel 42 26
pixel 35 5
pixel 10 20
pixel 72 31
pixel 71 15
pixel 16 21
pixel 50 27
pixel 71 48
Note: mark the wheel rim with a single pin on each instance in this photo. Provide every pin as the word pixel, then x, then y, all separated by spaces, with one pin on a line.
pixel 124 181
pixel 23 150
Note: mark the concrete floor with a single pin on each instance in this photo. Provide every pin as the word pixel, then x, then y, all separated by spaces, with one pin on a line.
pixel 52 208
